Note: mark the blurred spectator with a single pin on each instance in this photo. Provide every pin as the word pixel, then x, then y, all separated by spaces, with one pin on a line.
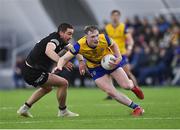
pixel 176 66
pixel 159 70
pixel 153 53
pixel 163 24
pixel 156 34
pixel 174 22
pixel 175 39
pixel 128 23
pixel 17 76
pixel 140 58
pixel 137 24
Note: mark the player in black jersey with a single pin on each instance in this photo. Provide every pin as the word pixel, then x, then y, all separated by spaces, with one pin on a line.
pixel 37 70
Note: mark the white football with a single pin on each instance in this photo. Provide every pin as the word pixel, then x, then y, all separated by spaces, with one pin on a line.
pixel 105 61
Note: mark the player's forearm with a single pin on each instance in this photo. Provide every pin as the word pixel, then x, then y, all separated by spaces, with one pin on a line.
pixel 61 53
pixel 80 57
pixel 52 55
pixel 116 51
pixel 64 59
pixel 61 63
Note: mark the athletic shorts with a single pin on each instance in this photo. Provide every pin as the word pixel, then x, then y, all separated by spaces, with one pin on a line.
pixel 34 77
pixel 125 60
pixel 99 71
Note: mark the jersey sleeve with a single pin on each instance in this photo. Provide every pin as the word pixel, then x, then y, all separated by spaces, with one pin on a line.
pixel 75 49
pixel 55 41
pixel 109 41
pixel 68 47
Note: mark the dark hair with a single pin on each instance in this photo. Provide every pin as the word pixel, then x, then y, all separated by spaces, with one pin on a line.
pixel 90 28
pixel 64 26
pixel 115 11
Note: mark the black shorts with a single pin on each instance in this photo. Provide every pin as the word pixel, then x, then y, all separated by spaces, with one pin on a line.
pixel 34 77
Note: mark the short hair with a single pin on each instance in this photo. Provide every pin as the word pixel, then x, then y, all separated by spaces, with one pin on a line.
pixel 115 11
pixel 90 28
pixel 64 26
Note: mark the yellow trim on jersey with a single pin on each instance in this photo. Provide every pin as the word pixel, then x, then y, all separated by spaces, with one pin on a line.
pixel 118 35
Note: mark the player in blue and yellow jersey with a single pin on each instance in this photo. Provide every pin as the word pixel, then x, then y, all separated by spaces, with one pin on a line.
pixel 93 46
pixel 119 33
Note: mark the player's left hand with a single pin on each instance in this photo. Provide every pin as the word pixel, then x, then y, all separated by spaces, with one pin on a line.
pixel 69 66
pixel 115 62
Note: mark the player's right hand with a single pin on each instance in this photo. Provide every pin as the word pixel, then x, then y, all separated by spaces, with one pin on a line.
pixel 115 62
pixel 82 68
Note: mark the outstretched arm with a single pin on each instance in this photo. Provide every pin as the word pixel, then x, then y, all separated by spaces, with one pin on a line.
pixel 82 65
pixel 64 59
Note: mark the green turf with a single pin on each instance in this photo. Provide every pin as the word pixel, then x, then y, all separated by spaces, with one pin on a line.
pixel 162 110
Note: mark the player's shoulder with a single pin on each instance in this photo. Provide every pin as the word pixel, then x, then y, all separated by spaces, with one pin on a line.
pixel 49 37
pixel 55 38
pixel 109 25
pixel 82 40
pixel 53 35
pixel 122 24
pixel 103 37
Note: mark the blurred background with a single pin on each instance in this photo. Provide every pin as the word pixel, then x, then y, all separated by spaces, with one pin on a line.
pixel 155 26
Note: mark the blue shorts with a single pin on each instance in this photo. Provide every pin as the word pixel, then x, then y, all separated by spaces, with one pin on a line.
pixel 99 71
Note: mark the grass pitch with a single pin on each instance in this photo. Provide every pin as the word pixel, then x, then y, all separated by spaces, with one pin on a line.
pixel 162 110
